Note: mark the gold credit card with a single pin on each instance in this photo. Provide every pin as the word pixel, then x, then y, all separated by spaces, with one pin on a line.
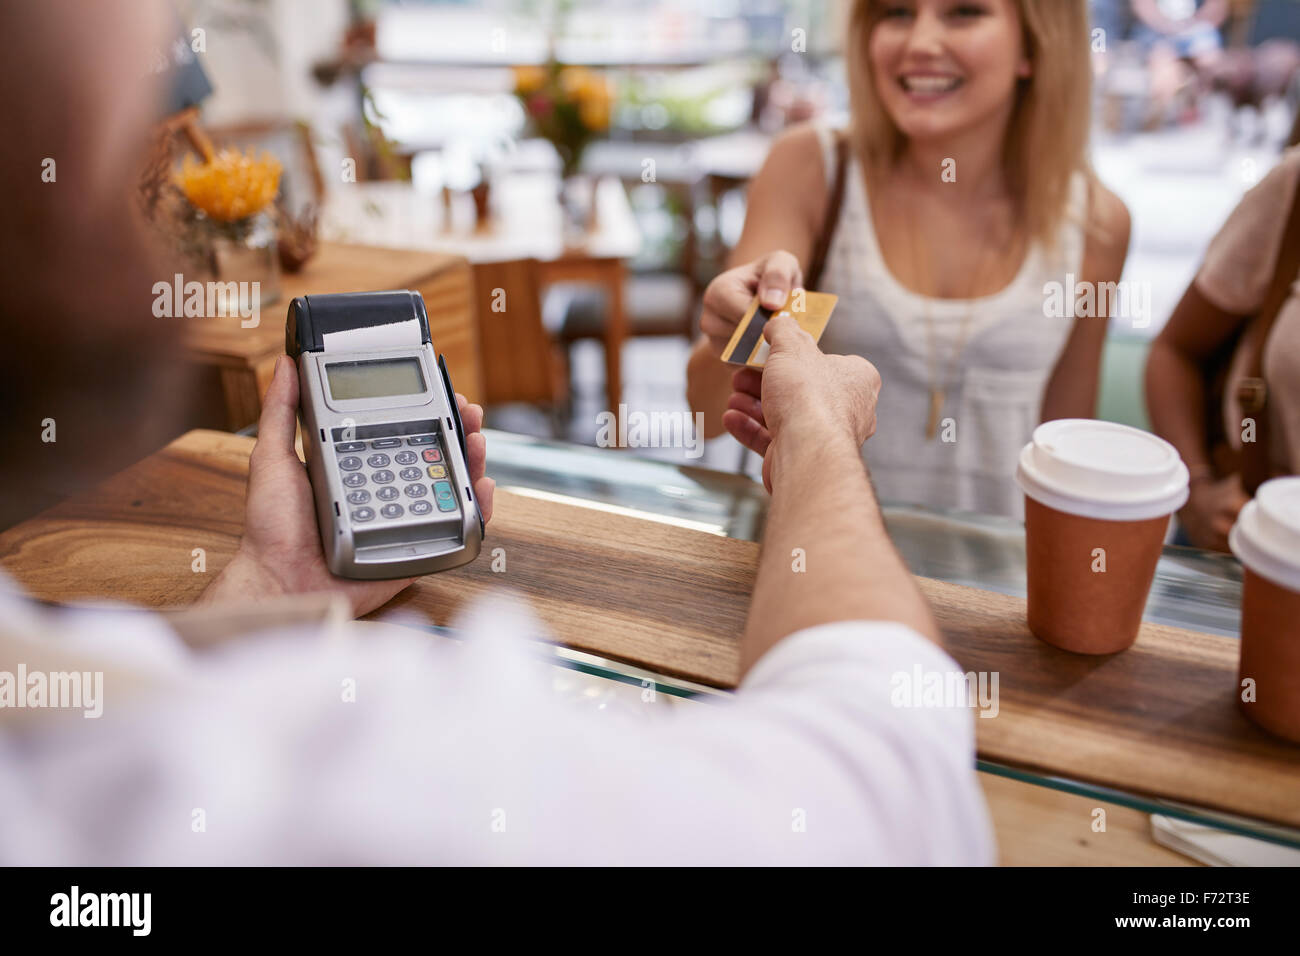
pixel 812 310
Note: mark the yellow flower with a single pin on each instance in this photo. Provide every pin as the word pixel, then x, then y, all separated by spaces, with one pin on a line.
pixel 595 100
pixel 594 113
pixel 233 185
pixel 528 79
pixel 575 79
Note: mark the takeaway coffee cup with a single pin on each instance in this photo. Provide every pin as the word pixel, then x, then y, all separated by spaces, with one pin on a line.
pixel 1098 497
pixel 1266 539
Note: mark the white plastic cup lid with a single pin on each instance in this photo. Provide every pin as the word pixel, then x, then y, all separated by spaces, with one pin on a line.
pixel 1102 470
pixel 1266 537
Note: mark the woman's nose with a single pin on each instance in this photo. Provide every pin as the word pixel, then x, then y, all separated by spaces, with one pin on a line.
pixel 925 38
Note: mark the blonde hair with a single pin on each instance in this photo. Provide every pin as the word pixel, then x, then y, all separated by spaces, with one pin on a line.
pixel 1047 136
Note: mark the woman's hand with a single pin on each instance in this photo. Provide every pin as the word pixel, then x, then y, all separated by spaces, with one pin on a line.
pixel 281 552
pixel 728 296
pixel 1211 510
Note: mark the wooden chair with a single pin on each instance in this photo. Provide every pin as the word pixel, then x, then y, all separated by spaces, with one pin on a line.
pixel 519 360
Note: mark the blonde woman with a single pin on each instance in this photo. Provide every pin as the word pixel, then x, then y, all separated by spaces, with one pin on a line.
pixel 964 221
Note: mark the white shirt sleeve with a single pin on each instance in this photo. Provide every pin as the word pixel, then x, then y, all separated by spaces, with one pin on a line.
pixel 406 749
pixel 855 708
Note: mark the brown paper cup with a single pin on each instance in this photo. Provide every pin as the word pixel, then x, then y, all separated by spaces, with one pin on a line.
pixel 1270 655
pixel 1072 604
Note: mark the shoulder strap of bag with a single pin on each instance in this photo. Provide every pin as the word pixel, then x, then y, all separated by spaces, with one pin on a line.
pixel 1252 391
pixel 831 220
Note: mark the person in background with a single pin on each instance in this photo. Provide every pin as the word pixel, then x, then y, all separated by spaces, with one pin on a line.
pixel 450 752
pixel 1240 317
pixel 1113 17
pixel 1182 44
pixel 966 199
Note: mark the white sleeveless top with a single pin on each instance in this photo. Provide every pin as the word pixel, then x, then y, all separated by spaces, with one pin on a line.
pixel 994 392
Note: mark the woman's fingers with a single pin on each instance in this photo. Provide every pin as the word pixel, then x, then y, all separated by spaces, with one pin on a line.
pixel 717 329
pixel 780 274
pixel 727 297
pixel 725 300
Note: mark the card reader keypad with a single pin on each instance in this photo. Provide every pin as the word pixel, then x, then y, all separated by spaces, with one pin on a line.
pixel 423 476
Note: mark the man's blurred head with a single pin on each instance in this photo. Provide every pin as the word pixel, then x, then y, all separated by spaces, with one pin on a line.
pixel 83 361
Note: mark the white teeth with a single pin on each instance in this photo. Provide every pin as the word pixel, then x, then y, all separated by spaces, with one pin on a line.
pixel 930 84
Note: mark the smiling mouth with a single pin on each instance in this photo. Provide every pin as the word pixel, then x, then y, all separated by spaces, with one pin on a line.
pixel 929 85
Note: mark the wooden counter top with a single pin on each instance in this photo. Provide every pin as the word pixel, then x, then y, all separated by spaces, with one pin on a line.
pixel 1158 720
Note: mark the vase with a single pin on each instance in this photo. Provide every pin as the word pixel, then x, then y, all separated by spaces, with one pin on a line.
pixel 482 194
pixel 245 252
pixel 577 208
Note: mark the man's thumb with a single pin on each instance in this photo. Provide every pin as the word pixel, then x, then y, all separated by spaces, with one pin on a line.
pixel 784 334
pixel 277 425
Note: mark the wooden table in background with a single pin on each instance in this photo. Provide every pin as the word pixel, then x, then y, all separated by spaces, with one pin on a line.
pixel 1158 720
pixel 520 251
pixel 245 357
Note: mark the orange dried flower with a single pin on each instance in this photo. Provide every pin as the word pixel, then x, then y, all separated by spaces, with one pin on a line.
pixel 529 79
pixel 233 185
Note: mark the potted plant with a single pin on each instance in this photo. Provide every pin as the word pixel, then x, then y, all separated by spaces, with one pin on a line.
pixel 232 195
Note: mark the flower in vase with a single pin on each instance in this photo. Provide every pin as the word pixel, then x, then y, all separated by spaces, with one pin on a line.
pixel 566 105
pixel 595 113
pixel 529 79
pixel 232 186
pixel 540 106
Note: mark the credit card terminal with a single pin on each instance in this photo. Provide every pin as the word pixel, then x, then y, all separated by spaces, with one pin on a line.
pixel 383 438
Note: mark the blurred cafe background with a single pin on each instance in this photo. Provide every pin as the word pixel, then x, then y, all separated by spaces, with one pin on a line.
pixel 562 223
pixel 560 180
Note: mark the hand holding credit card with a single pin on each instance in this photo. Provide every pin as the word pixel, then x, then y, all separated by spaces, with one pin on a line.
pixel 812 310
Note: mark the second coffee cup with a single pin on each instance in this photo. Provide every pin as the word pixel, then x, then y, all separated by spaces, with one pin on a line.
pixel 1098 496
pixel 1266 538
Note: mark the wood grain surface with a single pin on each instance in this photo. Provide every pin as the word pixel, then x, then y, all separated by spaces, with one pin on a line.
pixel 1038 826
pixel 246 356
pixel 1157 720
